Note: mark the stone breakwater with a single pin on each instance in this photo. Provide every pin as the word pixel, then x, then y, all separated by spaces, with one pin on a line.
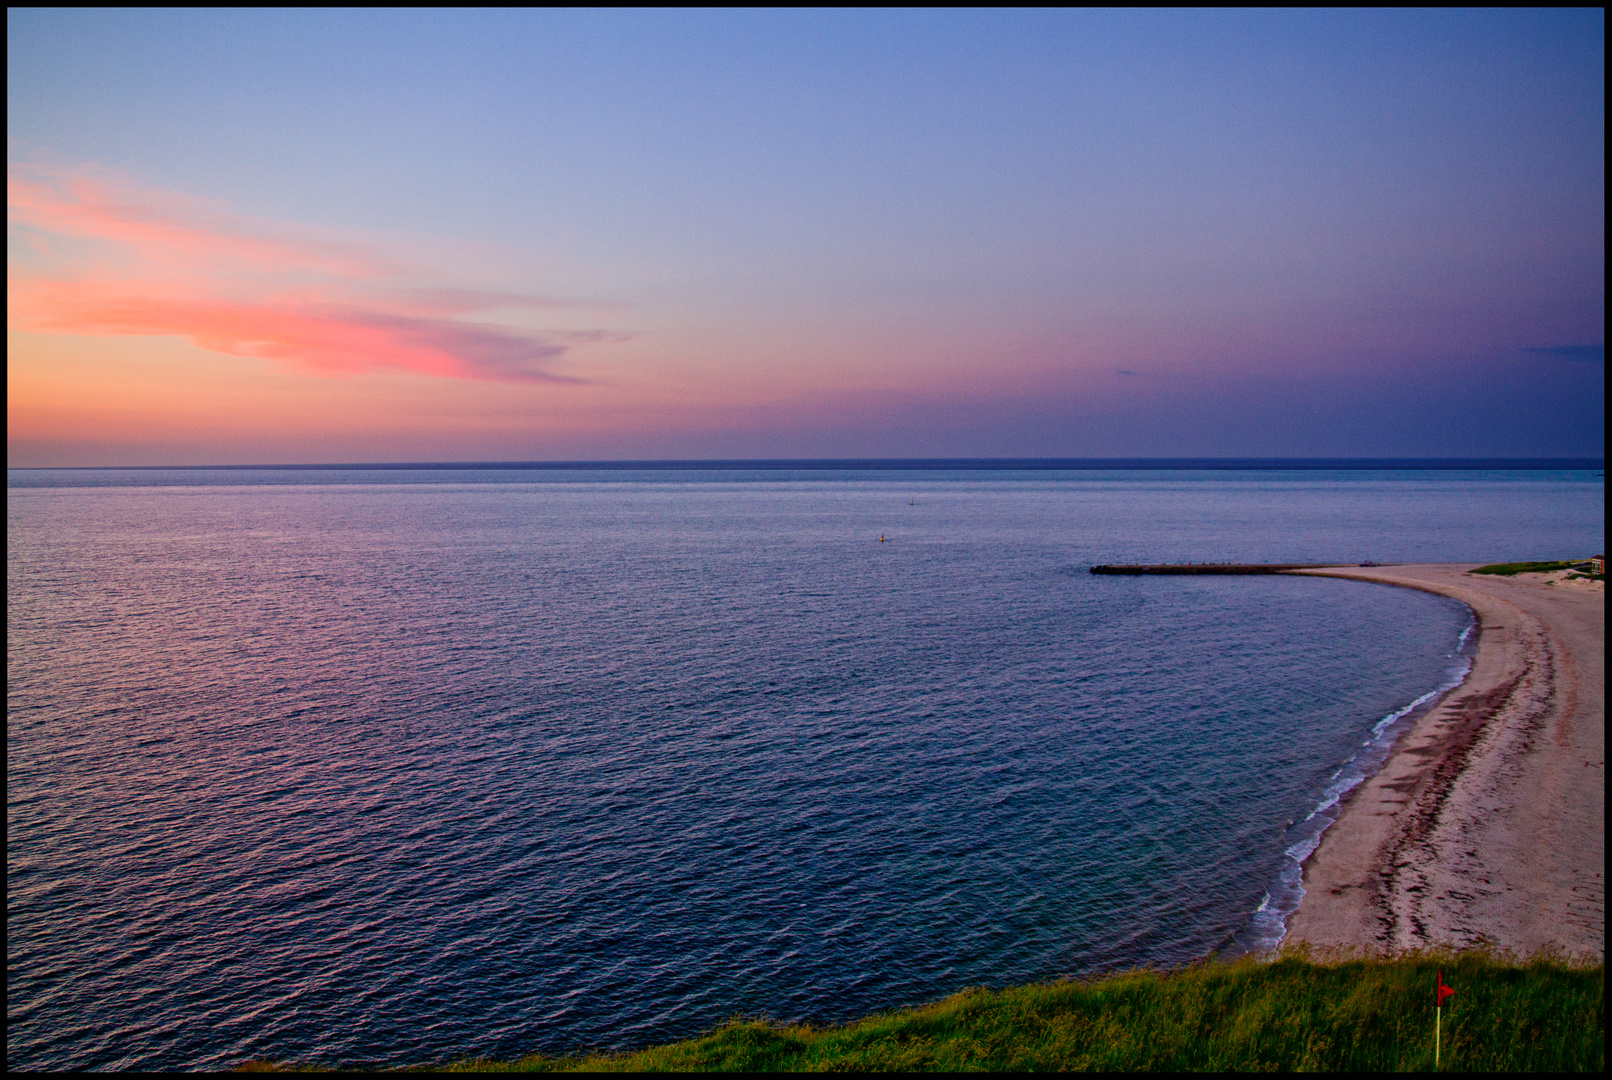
pixel 1208 568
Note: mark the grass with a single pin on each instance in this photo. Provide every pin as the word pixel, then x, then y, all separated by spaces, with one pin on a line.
pixel 1507 569
pixel 1299 1012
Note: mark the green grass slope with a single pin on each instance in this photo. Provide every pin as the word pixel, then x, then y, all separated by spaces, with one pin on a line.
pixel 1295 1013
pixel 1510 569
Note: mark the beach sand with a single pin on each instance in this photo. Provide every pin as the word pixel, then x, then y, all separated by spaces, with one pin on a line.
pixel 1486 825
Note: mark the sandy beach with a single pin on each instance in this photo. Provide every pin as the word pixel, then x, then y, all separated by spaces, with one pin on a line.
pixel 1486 823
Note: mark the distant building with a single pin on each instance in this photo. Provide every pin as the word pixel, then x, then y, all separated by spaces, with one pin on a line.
pixel 1598 565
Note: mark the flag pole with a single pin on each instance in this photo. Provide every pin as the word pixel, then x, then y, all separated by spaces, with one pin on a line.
pixel 1438 1017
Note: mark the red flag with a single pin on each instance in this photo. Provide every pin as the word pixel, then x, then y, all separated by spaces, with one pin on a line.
pixel 1443 991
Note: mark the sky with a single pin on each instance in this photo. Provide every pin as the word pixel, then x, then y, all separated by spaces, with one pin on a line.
pixel 311 236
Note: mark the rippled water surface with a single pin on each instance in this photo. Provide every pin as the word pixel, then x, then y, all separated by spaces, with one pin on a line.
pixel 417 766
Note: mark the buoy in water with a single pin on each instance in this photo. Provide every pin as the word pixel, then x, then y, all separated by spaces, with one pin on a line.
pixel 881 538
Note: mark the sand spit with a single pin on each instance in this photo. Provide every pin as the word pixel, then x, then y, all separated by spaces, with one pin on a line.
pixel 1486 824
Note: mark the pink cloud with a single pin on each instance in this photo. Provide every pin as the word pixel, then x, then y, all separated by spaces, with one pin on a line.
pixel 163 226
pixel 190 269
pixel 324 338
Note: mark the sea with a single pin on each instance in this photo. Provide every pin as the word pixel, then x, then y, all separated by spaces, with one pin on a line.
pixel 390 766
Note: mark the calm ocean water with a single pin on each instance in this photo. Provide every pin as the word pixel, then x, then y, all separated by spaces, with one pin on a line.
pixel 401 767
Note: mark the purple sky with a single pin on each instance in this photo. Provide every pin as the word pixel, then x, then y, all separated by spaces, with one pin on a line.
pixel 317 236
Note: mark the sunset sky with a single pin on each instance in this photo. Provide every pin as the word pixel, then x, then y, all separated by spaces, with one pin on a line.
pixel 308 236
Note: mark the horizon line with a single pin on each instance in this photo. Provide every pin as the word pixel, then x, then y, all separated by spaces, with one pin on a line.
pixel 909 464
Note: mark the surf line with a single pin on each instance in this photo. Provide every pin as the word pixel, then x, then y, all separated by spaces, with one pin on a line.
pixel 1267 925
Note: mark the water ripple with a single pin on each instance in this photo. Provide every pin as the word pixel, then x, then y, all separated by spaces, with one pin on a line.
pixel 402 773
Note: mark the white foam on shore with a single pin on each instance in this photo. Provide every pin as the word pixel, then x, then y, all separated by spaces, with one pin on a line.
pixel 1267 925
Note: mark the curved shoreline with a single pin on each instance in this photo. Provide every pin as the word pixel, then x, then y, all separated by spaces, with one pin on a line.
pixel 1485 823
